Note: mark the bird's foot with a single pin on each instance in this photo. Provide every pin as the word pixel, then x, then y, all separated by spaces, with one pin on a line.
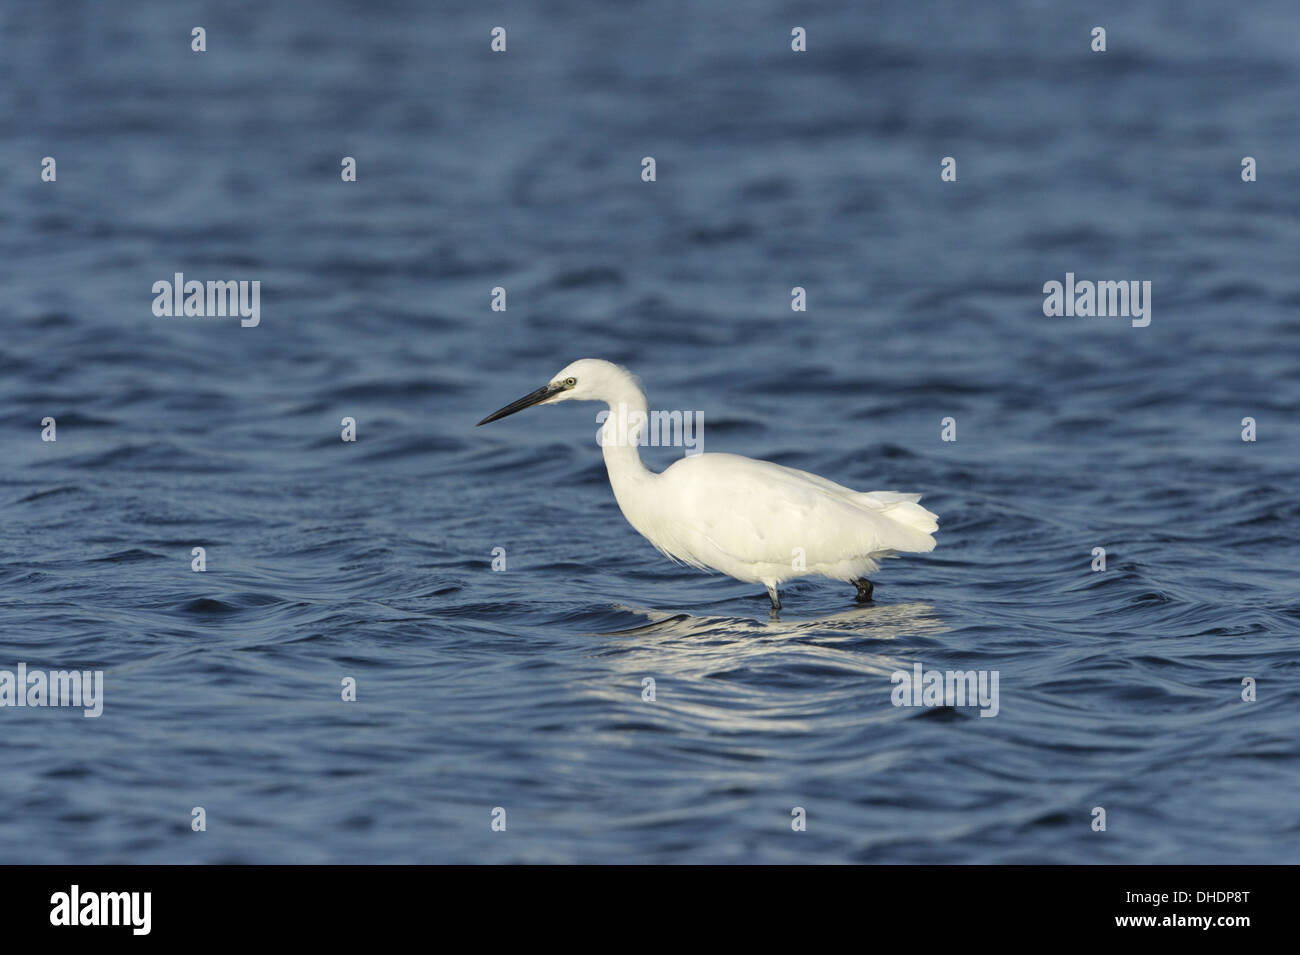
pixel 865 588
pixel 776 601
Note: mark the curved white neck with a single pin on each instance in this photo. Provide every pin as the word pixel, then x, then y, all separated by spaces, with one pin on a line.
pixel 622 431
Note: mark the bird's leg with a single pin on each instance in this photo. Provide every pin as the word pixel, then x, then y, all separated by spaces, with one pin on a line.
pixel 864 590
pixel 776 601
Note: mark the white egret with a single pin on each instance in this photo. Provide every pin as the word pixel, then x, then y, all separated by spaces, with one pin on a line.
pixel 752 520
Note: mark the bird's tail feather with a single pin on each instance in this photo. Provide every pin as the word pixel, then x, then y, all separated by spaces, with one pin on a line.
pixel 916 524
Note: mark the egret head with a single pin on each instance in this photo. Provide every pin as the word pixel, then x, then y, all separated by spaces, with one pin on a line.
pixel 587 379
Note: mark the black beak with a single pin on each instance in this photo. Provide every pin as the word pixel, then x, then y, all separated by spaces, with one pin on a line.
pixel 527 401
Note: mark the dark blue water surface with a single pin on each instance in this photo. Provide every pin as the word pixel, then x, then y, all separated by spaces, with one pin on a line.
pixel 522 689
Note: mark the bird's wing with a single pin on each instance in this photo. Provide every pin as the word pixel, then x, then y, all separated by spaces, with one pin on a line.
pixel 759 512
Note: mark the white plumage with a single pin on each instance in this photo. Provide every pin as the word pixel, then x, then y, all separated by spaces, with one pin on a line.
pixel 752 520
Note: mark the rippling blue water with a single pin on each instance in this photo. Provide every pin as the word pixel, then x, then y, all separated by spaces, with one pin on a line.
pixel 522 689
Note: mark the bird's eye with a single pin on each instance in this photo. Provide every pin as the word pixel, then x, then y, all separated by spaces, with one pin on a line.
pixel 570 381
